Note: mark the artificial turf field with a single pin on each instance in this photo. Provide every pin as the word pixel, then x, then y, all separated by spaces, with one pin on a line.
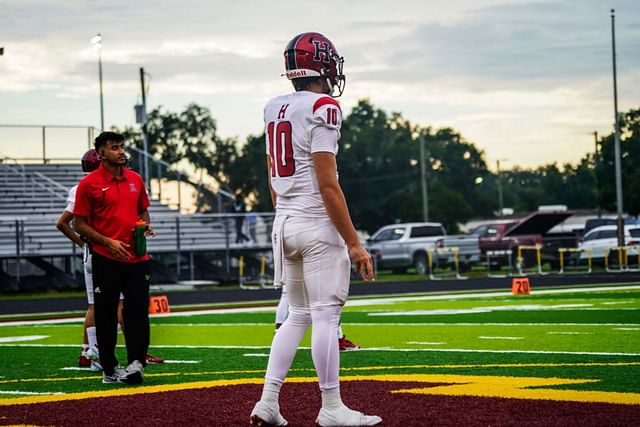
pixel 555 357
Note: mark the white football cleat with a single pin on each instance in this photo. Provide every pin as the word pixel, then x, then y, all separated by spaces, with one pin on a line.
pixel 344 416
pixel 264 415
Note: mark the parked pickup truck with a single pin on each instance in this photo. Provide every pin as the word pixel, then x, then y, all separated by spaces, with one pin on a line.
pixel 525 232
pixel 467 246
pixel 503 235
pixel 401 246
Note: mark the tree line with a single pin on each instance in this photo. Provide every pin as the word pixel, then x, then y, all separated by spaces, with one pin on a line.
pixel 379 167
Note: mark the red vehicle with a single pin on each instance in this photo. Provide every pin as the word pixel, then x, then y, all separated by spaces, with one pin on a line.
pixel 499 237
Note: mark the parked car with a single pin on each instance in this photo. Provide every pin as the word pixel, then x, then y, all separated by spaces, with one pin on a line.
pixel 599 239
pixel 401 246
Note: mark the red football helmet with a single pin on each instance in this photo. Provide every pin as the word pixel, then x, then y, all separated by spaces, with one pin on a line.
pixel 313 55
pixel 91 161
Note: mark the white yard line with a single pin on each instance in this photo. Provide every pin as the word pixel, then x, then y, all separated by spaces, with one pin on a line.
pixel 500 338
pixel 23 338
pixel 28 393
pixel 381 349
pixel 569 333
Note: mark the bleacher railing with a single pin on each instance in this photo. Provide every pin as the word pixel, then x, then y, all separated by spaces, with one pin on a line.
pixel 178 236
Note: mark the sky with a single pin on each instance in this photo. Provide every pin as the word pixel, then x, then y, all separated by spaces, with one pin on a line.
pixel 528 82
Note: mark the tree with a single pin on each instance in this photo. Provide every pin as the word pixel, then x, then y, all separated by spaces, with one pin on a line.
pixel 188 137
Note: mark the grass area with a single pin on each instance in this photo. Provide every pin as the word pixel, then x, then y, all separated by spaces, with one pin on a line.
pixel 579 334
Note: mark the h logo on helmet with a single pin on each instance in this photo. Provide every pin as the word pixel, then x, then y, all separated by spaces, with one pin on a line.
pixel 322 48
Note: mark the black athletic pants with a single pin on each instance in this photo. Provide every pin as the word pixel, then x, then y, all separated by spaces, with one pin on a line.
pixel 111 277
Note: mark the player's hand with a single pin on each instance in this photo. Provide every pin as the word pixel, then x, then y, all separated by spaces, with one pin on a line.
pixel 362 261
pixel 119 249
pixel 150 232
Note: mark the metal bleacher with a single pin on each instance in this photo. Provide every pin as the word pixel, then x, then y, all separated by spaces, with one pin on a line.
pixel 32 197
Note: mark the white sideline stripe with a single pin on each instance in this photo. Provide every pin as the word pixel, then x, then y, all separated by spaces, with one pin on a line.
pixel 186 362
pixel 30 393
pixel 78 368
pixel 425 343
pixel 389 349
pixel 461 350
pixel 23 338
pixel 482 337
pixel 374 301
pixel 626 329
pixel 208 325
pixel 256 355
pixel 356 302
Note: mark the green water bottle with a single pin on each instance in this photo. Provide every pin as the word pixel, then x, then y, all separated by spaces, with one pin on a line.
pixel 139 238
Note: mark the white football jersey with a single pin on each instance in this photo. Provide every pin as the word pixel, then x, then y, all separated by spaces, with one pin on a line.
pixel 290 121
pixel 71 199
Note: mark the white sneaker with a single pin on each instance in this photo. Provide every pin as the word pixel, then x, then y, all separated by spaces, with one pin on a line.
pixel 134 373
pixel 344 416
pixel 116 378
pixel 264 414
pixel 92 354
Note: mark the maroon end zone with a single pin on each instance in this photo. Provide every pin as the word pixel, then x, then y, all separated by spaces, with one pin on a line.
pixel 300 402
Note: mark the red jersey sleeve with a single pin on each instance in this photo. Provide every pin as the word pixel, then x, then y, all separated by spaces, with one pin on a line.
pixel 143 200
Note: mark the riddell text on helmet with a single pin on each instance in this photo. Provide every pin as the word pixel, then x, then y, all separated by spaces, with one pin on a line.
pixel 294 74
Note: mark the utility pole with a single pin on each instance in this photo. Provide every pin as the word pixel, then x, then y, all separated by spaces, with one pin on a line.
pixel 500 200
pixel 145 141
pixel 96 41
pixel 618 162
pixel 423 177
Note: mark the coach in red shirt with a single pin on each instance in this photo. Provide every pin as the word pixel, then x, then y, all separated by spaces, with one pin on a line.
pixel 109 201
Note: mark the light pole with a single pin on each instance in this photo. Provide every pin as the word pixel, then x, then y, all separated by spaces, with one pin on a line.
pixel 145 138
pixel 423 179
pixel 96 41
pixel 617 163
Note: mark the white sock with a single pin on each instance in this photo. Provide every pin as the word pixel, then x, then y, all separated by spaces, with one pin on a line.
pixel 340 333
pixel 285 344
pixel 324 345
pixel 271 391
pixel 85 347
pixel 331 398
pixel 91 336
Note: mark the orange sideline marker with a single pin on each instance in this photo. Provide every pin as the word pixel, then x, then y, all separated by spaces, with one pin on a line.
pixel 520 286
pixel 159 304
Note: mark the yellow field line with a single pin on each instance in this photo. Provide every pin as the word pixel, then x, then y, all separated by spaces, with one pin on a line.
pixel 456 385
pixel 360 368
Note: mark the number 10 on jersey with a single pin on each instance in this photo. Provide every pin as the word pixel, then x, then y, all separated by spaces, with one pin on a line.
pixel 281 149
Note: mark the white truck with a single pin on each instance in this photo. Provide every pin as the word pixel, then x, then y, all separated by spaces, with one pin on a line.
pixel 401 246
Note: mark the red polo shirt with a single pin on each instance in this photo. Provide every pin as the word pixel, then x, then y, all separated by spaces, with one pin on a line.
pixel 112 205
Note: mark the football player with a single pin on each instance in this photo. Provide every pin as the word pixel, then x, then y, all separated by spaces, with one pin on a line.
pixel 313 236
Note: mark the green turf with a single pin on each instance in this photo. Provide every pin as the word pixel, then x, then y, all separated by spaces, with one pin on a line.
pixel 587 334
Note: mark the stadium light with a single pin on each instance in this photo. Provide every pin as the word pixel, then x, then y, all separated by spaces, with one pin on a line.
pixel 96 41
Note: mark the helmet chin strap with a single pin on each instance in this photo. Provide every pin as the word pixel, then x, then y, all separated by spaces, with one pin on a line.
pixel 329 86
